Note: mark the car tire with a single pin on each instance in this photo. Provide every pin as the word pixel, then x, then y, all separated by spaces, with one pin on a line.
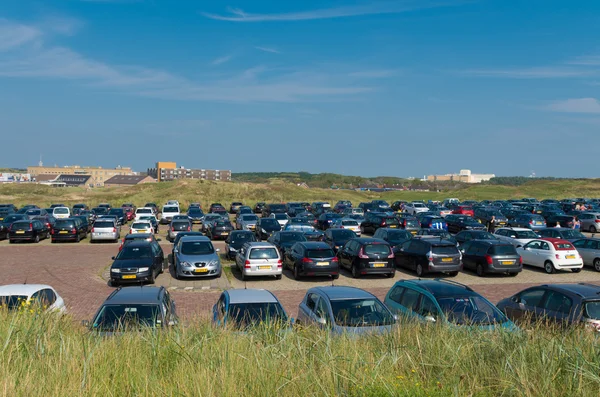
pixel 296 274
pixel 335 276
pixel 11 241
pixel 362 230
pixel 419 270
pixel 593 229
pixel 278 277
pixel 513 274
pixel 453 274
pixel 597 264
pixel 576 270
pixel 480 271
pixel 78 238
pixel 36 239
pixel 391 275
pixel 549 267
pixel 152 278
pixel 354 270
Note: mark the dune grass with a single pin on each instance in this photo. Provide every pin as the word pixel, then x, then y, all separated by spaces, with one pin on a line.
pixel 50 356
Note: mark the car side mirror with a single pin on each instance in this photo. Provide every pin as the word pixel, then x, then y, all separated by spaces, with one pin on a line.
pixel 430 319
pixel 113 258
pixel 218 250
pixel 176 250
pixel 85 323
pixel 321 320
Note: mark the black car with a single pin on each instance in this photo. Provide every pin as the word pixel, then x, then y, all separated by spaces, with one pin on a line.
pixel 468 235
pixel 121 215
pixel 137 262
pixel 393 236
pixel 235 206
pixel 220 228
pixel 437 233
pixel 28 230
pixel 367 256
pixel 9 206
pixel 485 216
pixel 429 255
pixel 99 211
pixel 561 232
pixel 6 211
pixel 265 227
pixel 258 208
pixel 408 222
pixel 13 217
pixel 337 238
pixel 325 219
pixel 309 231
pixel 491 256
pixel 375 220
pixel 68 229
pixel 457 223
pixel 311 259
pixel 294 208
pixel 273 209
pixel 564 221
pixel 196 215
pixel 133 308
pixel 234 242
pixel 86 224
pixel 285 239
pixel 561 304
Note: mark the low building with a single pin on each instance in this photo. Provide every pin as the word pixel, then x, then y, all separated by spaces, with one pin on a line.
pixel 98 174
pixel 168 171
pixel 69 180
pixel 128 180
pixel 465 176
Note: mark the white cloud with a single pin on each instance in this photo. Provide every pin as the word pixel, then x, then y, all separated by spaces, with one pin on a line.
pixel 267 49
pixel 534 72
pixel 221 60
pixel 590 60
pixel 14 35
pixel 577 105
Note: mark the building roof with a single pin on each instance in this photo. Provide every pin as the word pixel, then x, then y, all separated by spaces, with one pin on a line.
pixel 250 296
pixel 125 179
pixel 72 179
pixel 45 177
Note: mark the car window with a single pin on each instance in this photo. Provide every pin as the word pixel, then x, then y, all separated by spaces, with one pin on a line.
pixel 558 302
pixel 263 253
pixel 544 246
pixel 427 307
pixel 311 301
pixel 534 245
pixel 532 298
pixel 396 294
pixel 410 299
pixel 321 310
pixel 582 243
pixel 591 244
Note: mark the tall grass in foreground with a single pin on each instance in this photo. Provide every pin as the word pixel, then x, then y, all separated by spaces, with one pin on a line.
pixel 45 355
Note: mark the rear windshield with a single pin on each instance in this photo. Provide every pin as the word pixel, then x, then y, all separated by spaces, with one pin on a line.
pixel 61 210
pixel 349 223
pixel 263 253
pixel 503 250
pixel 140 225
pixel 281 216
pixel 144 211
pixel 294 236
pixel 33 212
pixel 526 234
pixel 377 249
pixel 102 224
pixel 411 223
pixel 116 211
pixel 62 223
pixel 444 250
pixel 324 253
pixel 277 207
pixel 249 218
pixel 171 209
pixel 563 246
pixel 180 225
pixel 391 220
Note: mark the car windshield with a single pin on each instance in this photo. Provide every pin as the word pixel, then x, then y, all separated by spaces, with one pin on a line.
pixel 526 234
pixel 250 218
pixel 269 222
pixel 360 313
pixel 197 248
pixel 118 317
pixel 571 234
pixel 134 253
pixel 301 228
pixel 104 224
pixel 281 217
pixel 377 249
pixel 469 310
pixel 342 234
pixel 61 210
pixel 247 314
pixel 591 310
pixel 237 237
pixel 144 211
pixel 320 253
pixel 398 235
pixel 195 212
pixel 170 209
pixel 12 302
pixel 288 237
pixel 264 253
pixel 33 212
pixel 503 250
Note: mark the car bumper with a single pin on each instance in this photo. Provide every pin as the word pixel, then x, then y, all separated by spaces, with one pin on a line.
pixel 316 271
pixel 496 268
pixel 21 237
pixel 193 272
pixel 369 267
pixel 569 264
pixel 259 272
pixel 218 234
pixel 64 237
pixel 122 278
pixel 104 236
pixel 439 268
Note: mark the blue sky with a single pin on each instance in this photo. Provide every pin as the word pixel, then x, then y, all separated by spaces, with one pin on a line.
pixel 401 88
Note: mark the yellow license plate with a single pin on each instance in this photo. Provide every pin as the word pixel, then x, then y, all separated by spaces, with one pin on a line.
pixel 1 219
pixel 507 262
pixel 322 263
pixel 140 230
pixel 63 232
pixel 413 232
pixel 20 231
pixel 393 226
pixel 201 270
pixel 570 256
pixel 251 227
pixel 264 267
pixel 378 264
pixel 224 234
pixel 446 259
pixel 129 276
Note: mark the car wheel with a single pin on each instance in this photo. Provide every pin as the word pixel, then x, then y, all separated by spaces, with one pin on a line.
pixel 354 270
pixel 419 270
pixel 480 271
pixel 362 230
pixel 513 274
pixel 549 267
pixel 78 238
pixel 11 241
pixel 391 275
pixel 597 264
pixel 278 277
pixel 576 270
pixel 453 274
pixel 335 276
pixel 37 238
pixel 593 229
pixel 152 278
pixel 296 274
pixel 113 283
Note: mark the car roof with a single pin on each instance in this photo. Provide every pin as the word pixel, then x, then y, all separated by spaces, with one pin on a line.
pixel 492 242
pixel 256 244
pixel 314 244
pixel 440 288
pixel 554 240
pixel 134 294
pixel 367 240
pixel 22 289
pixel 138 236
pixel 340 293
pixel 192 237
pixel 251 296
pixel 584 290
pixel 516 229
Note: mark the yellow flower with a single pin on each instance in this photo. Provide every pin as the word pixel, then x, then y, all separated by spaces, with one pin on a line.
pixel 413 371
pixel 417 384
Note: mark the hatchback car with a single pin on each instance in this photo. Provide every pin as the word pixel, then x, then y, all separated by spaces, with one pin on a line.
pixel 208 220
pixel 336 238
pixel 551 254
pixel 531 221
pixel 491 256
pixel 219 229
pixel 259 259
pixel 168 212
pixel 458 223
pixel 444 302
pixel 68 229
pixel 236 240
pixel 30 230
pixel 143 211
pixel 590 221
pixel 121 215
pixel 285 239
pixel 16 296
pixel 177 226
pixel 364 256
pixel 429 255
pixel 311 259
pixel 468 235
pixel 346 223
pixel 394 237
pixel 246 222
pixel 589 249
pixel 129 238
pixel 265 227
pixel 463 210
pixel 105 230
pixel 61 212
pixel 244 308
pixel 134 308
pixel 195 256
pixel 235 206
pixel 345 310
pixel 309 231
pixel 375 220
pixel 517 236
pixel 561 232
pixel 137 262
pixel 140 226
pixel 325 220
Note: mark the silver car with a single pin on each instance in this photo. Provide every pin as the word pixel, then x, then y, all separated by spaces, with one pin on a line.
pixel 195 256
pixel 589 249
pixel 590 221
pixel 208 220
pixel 259 259
pixel 246 222
pixel 176 226
pixel 105 229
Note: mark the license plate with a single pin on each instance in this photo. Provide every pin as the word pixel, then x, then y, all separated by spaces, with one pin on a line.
pixel 502 223
pixel 507 262
pixel 20 231
pixel 570 257
pixel 140 230
pixel 446 259
pixel 538 223
pixel 378 264
pixel 63 232
pixel 224 234
pixel 129 276
pixel 393 226
pixel 413 232
pixel 201 270
pixel 264 267
pixel 322 263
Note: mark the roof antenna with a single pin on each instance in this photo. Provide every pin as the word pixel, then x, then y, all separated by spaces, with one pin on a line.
pixel 25 283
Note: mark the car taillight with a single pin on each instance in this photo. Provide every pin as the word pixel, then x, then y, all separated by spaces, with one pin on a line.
pixel 279 263
pixel 247 264
pixel 382 224
pixel 335 259
pixel 489 259
pixel 114 229
pixel 307 260
pixel 557 256
pixel 597 221
pixel 361 254
pixel 520 260
pixel 531 221
pixel 73 230
pixel 404 223
pixel 189 229
pixel 172 229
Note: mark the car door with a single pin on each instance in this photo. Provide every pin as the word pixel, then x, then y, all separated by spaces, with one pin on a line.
pixel 584 247
pixel 526 305
pixel 557 308
pixel 530 253
pixel 401 254
pixel 307 308
pixel 469 252
pixel 322 312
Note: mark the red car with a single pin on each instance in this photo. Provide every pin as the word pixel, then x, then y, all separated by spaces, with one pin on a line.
pixel 463 210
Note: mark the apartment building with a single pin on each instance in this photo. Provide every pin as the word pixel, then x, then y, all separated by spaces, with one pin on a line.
pixel 168 171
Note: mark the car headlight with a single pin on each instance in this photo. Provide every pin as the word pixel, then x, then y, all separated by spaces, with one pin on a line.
pixel 264 231
pixel 212 263
pixel 115 270
pixel 143 269
pixel 232 249
pixel 185 264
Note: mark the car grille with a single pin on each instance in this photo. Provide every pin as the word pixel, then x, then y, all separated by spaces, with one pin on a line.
pixel 129 270
pixel 200 264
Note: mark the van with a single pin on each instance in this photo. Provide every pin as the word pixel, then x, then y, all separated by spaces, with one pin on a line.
pixel 168 212
pixel 61 212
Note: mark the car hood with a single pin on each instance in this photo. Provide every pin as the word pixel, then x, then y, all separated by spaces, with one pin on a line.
pixel 197 258
pixel 141 262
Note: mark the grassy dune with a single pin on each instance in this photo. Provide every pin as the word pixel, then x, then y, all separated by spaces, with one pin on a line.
pixel 46 356
pixel 206 192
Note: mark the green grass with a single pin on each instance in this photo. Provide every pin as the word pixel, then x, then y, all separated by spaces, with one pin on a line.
pixel 207 192
pixel 48 356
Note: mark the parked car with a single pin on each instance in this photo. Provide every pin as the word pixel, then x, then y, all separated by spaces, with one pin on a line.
pixel 590 221
pixel 346 223
pixel 444 302
pixel 208 221
pixel 33 212
pixel 427 255
pixel 516 236
pixel 364 256
pixel 491 256
pixel 326 219
pixel 247 222
pixel 311 259
pixel 220 229
pixel 68 229
pixel 468 235
pixel 15 296
pixel 393 237
pixel 245 308
pixel 168 212
pixel 458 223
pixel 258 208
pixel 415 207
pixel 532 221
pixel 336 238
pixel 61 212
pixel 105 230
pixel 195 215
pixel 433 222
pixel 177 226
pixel 28 230
pixel 133 308
pixel 141 226
pixel 561 232
pixel 153 221
pixel 408 222
pixel 345 310
pixel 284 240
pixel 215 206
pixel 137 262
pixel 561 304
pixel 265 227
pixel 235 206
pixel 236 240
pixel 309 231
pixel 121 215
pixel 589 249
pixel 273 209
pixel 85 221
pixel 566 221
pixel 463 210
pixel 280 217
pixel 375 220
pixel 259 259
pixel 129 238
pixel 144 211
pixel 196 256
pixel 551 254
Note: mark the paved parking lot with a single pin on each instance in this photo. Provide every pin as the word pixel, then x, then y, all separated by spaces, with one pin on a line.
pixel 79 273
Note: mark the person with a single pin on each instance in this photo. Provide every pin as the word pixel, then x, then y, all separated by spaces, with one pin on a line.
pixel 557 224
pixel 577 224
pixel 492 224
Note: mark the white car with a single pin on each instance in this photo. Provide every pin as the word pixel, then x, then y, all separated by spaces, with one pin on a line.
pixel 346 223
pixel 551 254
pixel 61 212
pixel 173 202
pixel 517 236
pixel 168 212
pixel 415 207
pixel 15 295
pixel 281 217
pixel 141 227
pixel 143 211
